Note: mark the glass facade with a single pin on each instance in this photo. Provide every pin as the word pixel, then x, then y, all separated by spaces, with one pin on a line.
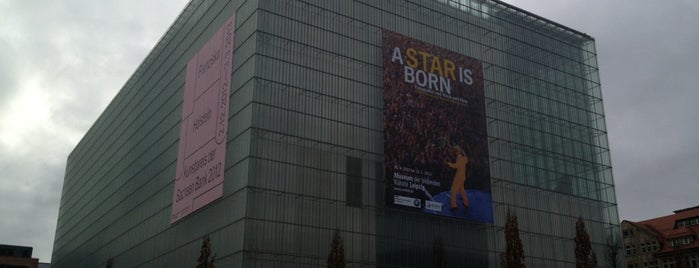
pixel 305 143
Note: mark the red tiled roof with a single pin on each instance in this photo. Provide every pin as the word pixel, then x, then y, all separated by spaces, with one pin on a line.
pixel 667 223
pixel 679 232
pixel 645 228
pixel 665 228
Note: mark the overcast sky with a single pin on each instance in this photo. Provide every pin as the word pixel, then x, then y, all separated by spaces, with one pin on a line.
pixel 61 62
pixel 648 56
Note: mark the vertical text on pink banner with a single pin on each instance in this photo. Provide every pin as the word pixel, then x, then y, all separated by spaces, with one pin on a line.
pixel 201 157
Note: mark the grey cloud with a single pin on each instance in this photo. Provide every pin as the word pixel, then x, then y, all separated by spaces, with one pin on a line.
pixel 8 71
pixel 33 214
pixel 78 54
pixel 648 59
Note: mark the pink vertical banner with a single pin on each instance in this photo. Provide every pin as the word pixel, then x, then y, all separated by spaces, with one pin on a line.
pixel 201 159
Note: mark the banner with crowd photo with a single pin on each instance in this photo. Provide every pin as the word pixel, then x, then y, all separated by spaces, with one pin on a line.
pixel 435 135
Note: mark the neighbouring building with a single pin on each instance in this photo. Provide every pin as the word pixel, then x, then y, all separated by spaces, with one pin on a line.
pixel 665 242
pixel 297 133
pixel 12 256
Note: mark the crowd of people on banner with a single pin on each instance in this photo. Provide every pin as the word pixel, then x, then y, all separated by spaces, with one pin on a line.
pixel 421 130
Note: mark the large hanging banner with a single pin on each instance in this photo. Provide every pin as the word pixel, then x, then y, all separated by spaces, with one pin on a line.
pixel 435 135
pixel 201 158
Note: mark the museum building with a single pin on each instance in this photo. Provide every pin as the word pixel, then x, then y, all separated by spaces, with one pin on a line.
pixel 303 133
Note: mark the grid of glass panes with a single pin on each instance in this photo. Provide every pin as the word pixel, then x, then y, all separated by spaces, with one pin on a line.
pixel 306 141
pixel 117 193
pixel 318 103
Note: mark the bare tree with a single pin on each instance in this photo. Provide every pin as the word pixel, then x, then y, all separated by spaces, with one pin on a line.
pixel 593 260
pixel 514 252
pixel 336 258
pixel 611 253
pixel 438 257
pixel 584 256
pixel 681 261
pixel 204 261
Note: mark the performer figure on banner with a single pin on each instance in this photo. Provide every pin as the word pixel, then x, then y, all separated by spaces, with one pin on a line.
pixel 457 184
